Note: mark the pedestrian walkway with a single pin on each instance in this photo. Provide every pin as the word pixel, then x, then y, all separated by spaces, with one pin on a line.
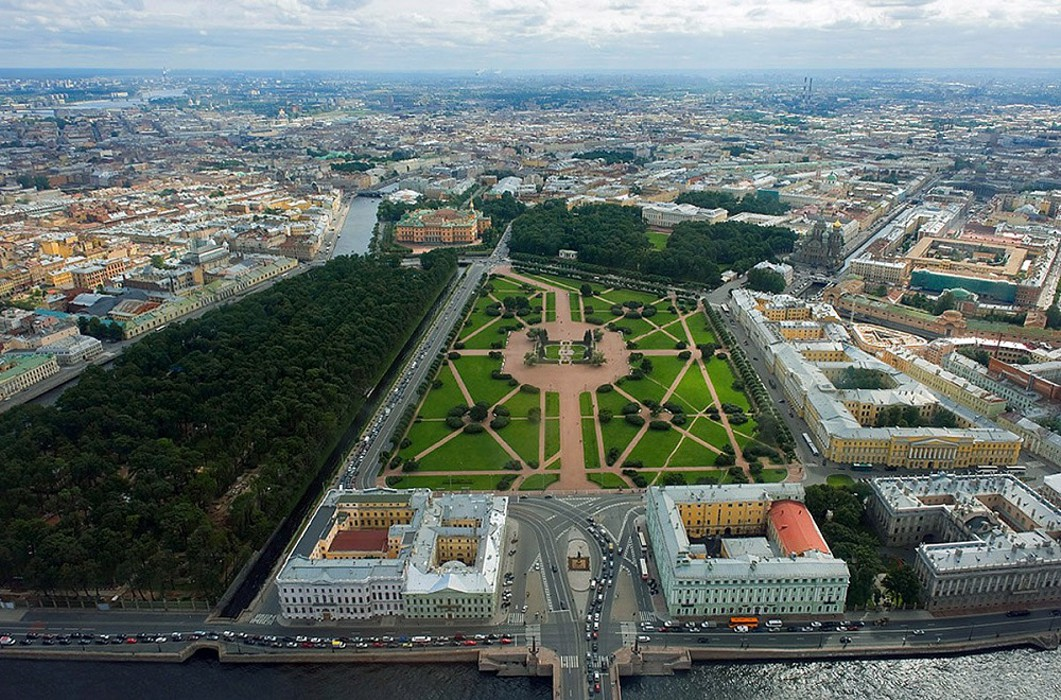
pixel 569 661
pixel 515 618
pixel 263 619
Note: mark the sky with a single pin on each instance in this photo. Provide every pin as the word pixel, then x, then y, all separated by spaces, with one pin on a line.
pixel 572 35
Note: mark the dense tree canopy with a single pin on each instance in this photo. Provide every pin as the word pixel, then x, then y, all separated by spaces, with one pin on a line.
pixel 168 470
pixel 754 204
pixel 612 236
pixel 763 280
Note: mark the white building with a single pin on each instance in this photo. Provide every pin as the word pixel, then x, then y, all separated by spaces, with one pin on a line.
pixel 379 553
pixel 745 549
pixel 18 372
pixel 783 269
pixel 982 541
pixel 668 215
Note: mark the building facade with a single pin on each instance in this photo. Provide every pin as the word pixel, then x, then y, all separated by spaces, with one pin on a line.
pixel 379 553
pixel 742 549
pixel 982 541
pixel 18 372
pixel 441 227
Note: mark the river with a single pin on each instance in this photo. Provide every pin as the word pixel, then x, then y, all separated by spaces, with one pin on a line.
pixel 999 676
pixel 357 229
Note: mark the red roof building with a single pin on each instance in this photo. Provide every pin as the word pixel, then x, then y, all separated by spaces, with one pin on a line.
pixel 359 541
pixel 792 527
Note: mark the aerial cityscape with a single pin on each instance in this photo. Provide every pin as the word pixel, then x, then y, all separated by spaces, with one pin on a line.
pixel 612 371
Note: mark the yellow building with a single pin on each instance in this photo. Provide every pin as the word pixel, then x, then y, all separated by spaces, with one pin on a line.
pixel 441 227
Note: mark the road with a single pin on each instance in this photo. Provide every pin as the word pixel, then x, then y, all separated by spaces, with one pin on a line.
pixel 363 465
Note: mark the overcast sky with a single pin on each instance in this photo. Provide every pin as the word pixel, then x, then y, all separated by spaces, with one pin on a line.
pixel 675 35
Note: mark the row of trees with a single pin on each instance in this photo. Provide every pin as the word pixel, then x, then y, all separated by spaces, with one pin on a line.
pixel 614 237
pixel 169 470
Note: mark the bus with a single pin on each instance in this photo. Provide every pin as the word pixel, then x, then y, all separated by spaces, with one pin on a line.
pixel 810 444
pixel 644 568
pixel 725 308
pixel 641 540
pixel 987 469
pixel 749 622
pixel 1017 470
pixel 861 467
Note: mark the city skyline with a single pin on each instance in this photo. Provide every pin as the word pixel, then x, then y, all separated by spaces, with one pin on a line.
pixel 502 35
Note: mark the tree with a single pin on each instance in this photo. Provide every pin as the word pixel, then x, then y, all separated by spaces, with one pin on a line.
pixel 479 412
pixel 597 358
pixel 945 302
pixel 903 584
pixel 530 358
pixel 646 366
pixel 586 290
pixel 764 280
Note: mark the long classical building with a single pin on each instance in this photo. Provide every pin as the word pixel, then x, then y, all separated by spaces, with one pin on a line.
pixel 379 553
pixel 742 549
pixel 441 227
pixel 847 396
pixel 982 541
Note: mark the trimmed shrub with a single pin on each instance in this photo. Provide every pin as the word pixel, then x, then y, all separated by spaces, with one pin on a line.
pixel 724 460
pixel 684 355
pixel 473 428
pixel 630 409
pixel 635 420
pixel 605 388
pixel 659 425
pixel 605 416
pixel 530 389
pixel 454 422
pixel 453 355
pixel 500 422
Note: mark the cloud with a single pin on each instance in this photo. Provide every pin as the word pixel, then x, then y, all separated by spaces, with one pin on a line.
pixel 413 34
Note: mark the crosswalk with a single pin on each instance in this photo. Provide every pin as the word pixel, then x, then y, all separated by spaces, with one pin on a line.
pixel 515 618
pixel 629 633
pixel 647 616
pixel 263 619
pixel 569 661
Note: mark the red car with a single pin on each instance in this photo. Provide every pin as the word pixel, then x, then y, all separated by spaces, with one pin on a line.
pixel 506 640
pixel 470 643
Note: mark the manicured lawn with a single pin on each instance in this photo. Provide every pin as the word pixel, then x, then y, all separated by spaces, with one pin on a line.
pixel 838 480
pixel 608 480
pixel 552 437
pixel 773 476
pixel 539 482
pixel 658 240
pixel 589 444
pixel 709 431
pixel 552 352
pixel 466 453
pixel 552 404
pixel 441 482
pixel 504 286
pixel 576 310
pixel 492 333
pixel 478 317
pixel 554 280
pixel 637 326
pixel 722 379
pixel 440 400
pixel 619 295
pixel 692 454
pixel 424 434
pixel 697 477
pixel 522 402
pixel 585 404
pixel 655 447
pixel 614 401
pixel 555 465
pixel 700 330
pixel 475 371
pixel 550 308
pixel 656 341
pixel 664 371
pixel 692 391
pixel 523 437
pixel 617 433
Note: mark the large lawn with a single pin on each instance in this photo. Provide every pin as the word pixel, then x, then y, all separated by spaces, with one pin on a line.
pixel 692 391
pixel 694 478
pixel 552 437
pixel 539 482
pixel 692 454
pixel 700 329
pixel 773 476
pixel 466 453
pixel 475 371
pixel 504 287
pixel 637 326
pixel 522 402
pixel 550 306
pixel 617 433
pixel 478 317
pixel 619 295
pixel 654 386
pixel 490 334
pixel 442 482
pixel 654 447
pixel 552 404
pixel 722 378
pixel 709 431
pixel 524 437
pixel 658 340
pixel 423 435
pixel 440 400
pixel 614 401
pixel 589 443
pixel 608 480
pixel 838 480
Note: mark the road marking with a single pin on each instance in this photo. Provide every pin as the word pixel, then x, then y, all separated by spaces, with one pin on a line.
pixel 515 618
pixel 629 632
pixel 647 616
pixel 569 661
pixel 263 619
